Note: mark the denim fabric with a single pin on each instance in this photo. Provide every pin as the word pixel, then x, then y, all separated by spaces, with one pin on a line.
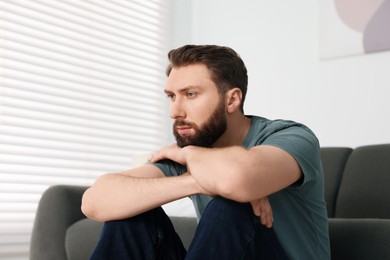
pixel 227 230
pixel 147 236
pixel 230 230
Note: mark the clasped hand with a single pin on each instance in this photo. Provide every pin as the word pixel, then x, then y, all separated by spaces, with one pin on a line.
pixel 172 152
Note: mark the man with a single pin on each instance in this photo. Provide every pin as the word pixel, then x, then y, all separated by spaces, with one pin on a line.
pixel 232 165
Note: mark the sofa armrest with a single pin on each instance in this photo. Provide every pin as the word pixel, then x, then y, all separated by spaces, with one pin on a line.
pixel 59 207
pixel 359 238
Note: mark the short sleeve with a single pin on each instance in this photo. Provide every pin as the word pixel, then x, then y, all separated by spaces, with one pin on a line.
pixel 302 145
pixel 170 168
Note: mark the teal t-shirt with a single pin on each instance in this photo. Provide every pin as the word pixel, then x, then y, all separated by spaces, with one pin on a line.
pixel 299 211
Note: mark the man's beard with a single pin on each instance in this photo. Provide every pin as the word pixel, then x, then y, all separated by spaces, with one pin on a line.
pixel 208 134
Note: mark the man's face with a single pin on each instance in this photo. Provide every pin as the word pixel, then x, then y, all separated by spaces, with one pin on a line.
pixel 196 106
pixel 206 134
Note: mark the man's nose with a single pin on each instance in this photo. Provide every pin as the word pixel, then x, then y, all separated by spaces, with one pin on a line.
pixel 177 110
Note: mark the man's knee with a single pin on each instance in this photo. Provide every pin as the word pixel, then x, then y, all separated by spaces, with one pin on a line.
pixel 149 222
pixel 228 210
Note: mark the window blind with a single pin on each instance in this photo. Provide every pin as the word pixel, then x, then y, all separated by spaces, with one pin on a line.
pixel 80 95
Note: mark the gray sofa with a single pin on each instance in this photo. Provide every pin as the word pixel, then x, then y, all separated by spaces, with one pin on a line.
pixel 357 191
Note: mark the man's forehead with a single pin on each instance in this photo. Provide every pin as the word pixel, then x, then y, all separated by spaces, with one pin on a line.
pixel 189 77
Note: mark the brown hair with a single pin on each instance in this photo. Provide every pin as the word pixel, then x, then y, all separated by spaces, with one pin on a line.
pixel 227 69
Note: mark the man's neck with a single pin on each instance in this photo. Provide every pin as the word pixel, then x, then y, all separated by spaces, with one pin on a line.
pixel 237 129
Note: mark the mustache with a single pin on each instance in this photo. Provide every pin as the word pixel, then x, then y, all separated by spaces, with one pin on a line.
pixel 182 122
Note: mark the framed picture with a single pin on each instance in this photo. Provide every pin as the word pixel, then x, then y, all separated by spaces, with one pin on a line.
pixel 353 27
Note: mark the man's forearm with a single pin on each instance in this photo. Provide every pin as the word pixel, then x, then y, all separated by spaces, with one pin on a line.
pixel 117 196
pixel 216 169
pixel 242 174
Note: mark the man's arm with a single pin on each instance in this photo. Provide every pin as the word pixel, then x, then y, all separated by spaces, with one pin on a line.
pixel 126 194
pixel 243 175
pixel 237 173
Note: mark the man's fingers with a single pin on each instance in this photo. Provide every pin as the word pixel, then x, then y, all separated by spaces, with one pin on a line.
pixel 256 207
pixel 266 212
pixel 262 208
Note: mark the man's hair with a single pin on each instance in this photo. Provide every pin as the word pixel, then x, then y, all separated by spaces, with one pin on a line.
pixel 227 69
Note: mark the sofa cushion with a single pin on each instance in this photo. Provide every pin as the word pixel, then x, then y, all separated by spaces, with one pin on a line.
pixel 81 239
pixel 185 227
pixel 333 161
pixel 359 238
pixel 365 186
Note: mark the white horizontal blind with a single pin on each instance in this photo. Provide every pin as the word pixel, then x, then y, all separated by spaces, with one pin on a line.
pixel 80 94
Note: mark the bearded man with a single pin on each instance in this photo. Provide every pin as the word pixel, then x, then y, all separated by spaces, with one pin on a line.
pixel 233 166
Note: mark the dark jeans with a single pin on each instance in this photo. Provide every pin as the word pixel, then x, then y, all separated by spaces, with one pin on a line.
pixel 227 230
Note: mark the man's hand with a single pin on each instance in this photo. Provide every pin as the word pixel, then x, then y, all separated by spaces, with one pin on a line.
pixel 172 152
pixel 262 208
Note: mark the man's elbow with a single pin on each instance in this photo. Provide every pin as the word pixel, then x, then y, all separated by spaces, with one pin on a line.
pixel 234 190
pixel 89 207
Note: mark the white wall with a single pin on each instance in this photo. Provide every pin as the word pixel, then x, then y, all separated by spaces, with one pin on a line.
pixel 343 100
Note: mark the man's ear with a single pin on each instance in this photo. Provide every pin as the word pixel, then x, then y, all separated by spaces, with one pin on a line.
pixel 234 99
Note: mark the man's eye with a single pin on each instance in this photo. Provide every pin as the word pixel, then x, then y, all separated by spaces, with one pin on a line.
pixel 170 96
pixel 191 94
